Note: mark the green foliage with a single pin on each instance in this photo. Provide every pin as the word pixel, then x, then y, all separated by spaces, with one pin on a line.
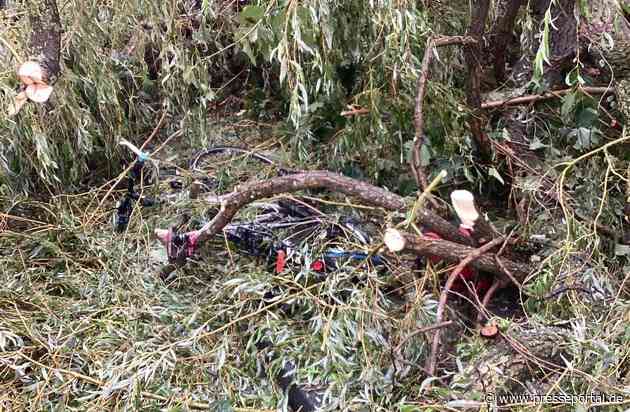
pixel 108 91
pixel 78 298
pixel 331 54
pixel 313 58
pixel 543 53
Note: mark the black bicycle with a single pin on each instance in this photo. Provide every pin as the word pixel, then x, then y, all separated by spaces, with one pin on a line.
pixel 276 230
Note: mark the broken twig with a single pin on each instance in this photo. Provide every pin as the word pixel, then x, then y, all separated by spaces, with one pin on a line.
pixel 533 98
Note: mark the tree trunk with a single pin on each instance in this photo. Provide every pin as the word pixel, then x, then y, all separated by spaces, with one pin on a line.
pixel 502 33
pixel 472 54
pixel 606 17
pixel 45 42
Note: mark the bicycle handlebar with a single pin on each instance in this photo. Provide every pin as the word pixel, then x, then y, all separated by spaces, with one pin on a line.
pixel 142 156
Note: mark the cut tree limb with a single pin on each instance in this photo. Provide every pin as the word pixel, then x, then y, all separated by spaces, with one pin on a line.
pixel 452 252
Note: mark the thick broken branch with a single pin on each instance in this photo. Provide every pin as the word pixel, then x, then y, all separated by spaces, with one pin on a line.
pixel 367 193
pixel 416 156
pixel 452 252
pixel 231 203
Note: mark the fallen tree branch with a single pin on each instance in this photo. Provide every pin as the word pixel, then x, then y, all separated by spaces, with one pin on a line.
pixel 243 195
pixel 398 241
pixel 319 179
pixel 471 257
pixel 515 101
pixel 416 155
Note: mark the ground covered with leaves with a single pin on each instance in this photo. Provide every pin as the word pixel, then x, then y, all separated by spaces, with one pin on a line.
pixel 88 323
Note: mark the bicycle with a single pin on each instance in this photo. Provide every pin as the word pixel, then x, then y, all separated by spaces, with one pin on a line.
pixel 278 229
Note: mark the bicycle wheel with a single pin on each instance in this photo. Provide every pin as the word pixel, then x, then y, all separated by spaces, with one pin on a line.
pixel 219 169
pixel 326 241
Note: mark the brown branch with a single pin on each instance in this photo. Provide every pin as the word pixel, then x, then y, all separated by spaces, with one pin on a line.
pixel 366 192
pixel 455 252
pixel 515 101
pixel 231 203
pixel 416 155
pixel 319 179
pixel 471 257
pixel 496 284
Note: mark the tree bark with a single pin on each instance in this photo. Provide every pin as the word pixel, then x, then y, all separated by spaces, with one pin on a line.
pixel 502 33
pixel 455 253
pixel 607 18
pixel 369 194
pixel 45 41
pixel 472 54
